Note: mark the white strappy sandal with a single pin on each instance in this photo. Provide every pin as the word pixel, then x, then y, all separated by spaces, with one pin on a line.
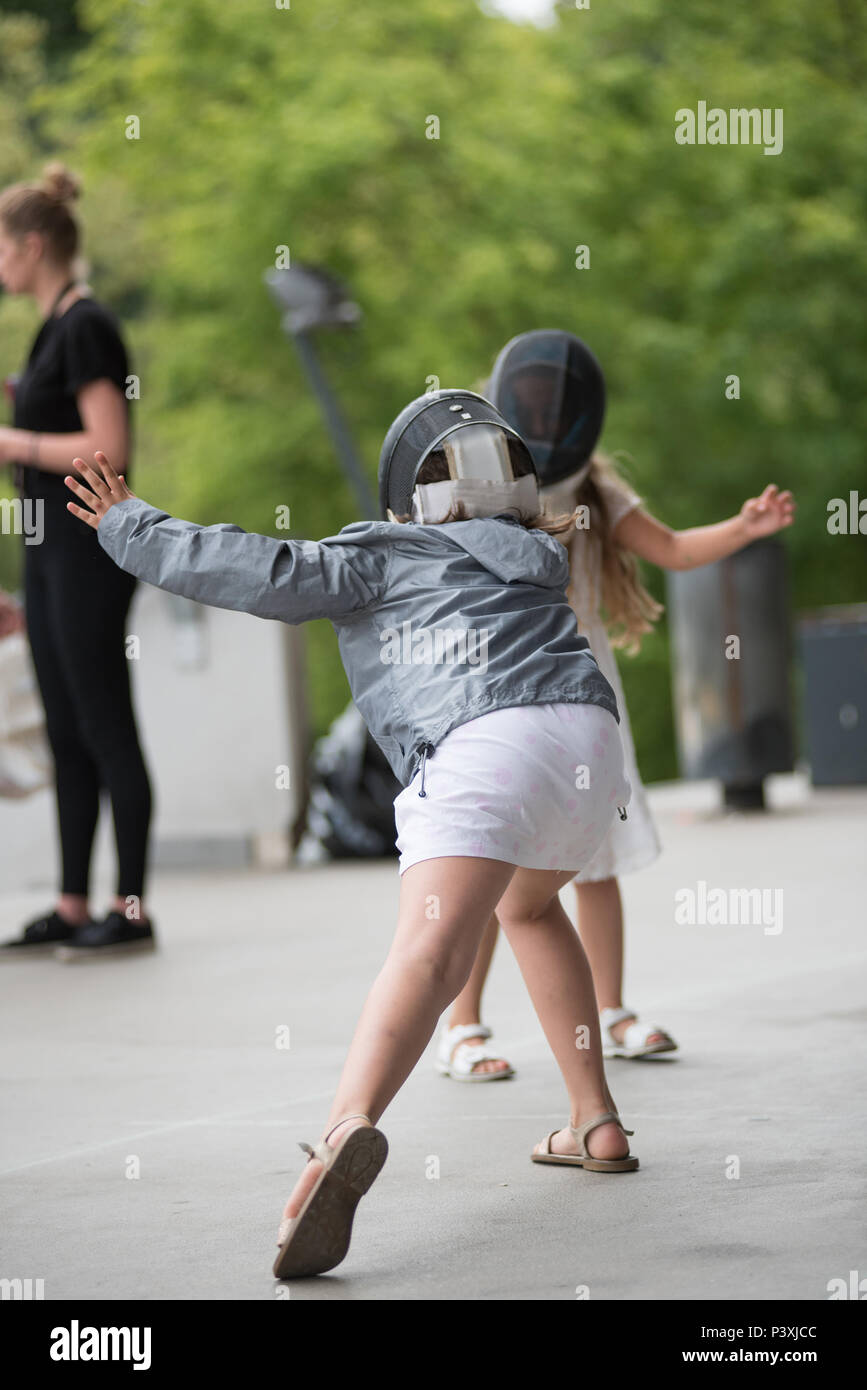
pixel 460 1066
pixel 635 1039
pixel 317 1238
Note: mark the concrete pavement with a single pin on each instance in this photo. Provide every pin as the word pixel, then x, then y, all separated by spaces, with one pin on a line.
pixel 167 1066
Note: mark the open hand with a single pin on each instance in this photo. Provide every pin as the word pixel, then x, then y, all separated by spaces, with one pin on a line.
pixel 764 515
pixel 105 489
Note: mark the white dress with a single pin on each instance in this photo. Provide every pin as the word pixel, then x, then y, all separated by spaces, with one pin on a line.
pixel 633 843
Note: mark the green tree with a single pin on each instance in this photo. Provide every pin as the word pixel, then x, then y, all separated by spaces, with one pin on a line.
pixel 22 75
pixel 309 127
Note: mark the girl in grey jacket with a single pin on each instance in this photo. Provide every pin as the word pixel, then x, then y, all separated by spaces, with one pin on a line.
pixel 462 655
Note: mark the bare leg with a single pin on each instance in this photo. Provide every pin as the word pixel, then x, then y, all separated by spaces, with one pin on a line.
pixel 467 1008
pixel 427 964
pixel 600 925
pixel 72 907
pixel 557 974
pixel 121 905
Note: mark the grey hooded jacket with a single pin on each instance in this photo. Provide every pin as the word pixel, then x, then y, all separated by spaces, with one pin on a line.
pixel 437 624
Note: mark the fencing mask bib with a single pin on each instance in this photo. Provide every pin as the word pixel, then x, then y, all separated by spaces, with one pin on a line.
pixel 550 388
pixel 490 468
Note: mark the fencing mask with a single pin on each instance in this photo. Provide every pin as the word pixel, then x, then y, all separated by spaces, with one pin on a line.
pixel 550 387
pixel 490 468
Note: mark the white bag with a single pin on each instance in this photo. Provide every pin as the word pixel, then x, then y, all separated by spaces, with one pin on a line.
pixel 25 757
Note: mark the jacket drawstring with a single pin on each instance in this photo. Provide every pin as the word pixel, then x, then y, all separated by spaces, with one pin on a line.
pixel 622 811
pixel 426 748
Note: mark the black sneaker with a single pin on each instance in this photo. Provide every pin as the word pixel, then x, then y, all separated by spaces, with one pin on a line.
pixel 45 934
pixel 114 936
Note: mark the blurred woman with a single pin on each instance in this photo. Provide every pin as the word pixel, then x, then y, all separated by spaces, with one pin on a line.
pixel 71 400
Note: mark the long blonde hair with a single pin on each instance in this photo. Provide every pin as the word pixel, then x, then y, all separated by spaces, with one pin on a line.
pixel 629 611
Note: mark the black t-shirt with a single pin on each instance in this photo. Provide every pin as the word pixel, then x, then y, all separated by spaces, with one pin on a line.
pixel 82 345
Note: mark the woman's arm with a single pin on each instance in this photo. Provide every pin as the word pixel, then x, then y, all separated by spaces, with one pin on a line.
pixel 292 580
pixel 685 550
pixel 103 412
pixel 11 615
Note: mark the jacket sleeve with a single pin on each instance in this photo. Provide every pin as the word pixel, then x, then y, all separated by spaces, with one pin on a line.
pixel 227 567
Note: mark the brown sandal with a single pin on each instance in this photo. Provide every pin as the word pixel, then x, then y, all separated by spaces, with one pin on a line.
pixel 317 1238
pixel 583 1159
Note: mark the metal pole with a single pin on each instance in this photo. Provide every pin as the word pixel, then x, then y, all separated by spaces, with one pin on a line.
pixel 334 422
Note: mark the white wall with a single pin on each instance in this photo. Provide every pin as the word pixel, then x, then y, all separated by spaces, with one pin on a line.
pixel 213 691
pixel 220 703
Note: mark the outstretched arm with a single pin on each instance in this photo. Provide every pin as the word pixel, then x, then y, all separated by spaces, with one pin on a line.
pixel 701 545
pixel 223 565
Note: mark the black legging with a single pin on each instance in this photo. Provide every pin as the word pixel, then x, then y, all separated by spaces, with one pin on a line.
pixel 76 603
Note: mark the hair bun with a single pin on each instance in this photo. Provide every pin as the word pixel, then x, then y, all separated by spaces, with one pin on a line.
pixel 59 183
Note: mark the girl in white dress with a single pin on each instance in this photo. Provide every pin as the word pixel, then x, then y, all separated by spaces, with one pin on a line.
pixel 612 608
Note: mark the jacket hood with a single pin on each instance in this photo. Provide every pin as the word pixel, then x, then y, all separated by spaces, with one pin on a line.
pixel 499 543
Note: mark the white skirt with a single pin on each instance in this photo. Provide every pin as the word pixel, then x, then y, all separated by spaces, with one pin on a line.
pixel 633 843
pixel 532 785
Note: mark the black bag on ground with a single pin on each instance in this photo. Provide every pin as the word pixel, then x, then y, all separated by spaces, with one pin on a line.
pixel 350 813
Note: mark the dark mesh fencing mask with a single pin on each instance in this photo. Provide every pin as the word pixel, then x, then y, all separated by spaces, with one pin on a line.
pixel 550 388
pixel 474 437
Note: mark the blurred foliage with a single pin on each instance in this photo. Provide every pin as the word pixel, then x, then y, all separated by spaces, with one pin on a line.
pixel 22 79
pixel 307 127
pixel 61 32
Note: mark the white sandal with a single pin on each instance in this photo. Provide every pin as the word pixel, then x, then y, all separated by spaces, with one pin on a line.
pixel 460 1066
pixel 635 1039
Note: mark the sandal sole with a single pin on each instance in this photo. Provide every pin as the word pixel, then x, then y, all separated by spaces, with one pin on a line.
pixel 320 1239
pixel 635 1055
pixel 479 1076
pixel 594 1165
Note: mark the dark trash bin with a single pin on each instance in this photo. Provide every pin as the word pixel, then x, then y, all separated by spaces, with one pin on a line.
pixel 731 646
pixel 833 643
